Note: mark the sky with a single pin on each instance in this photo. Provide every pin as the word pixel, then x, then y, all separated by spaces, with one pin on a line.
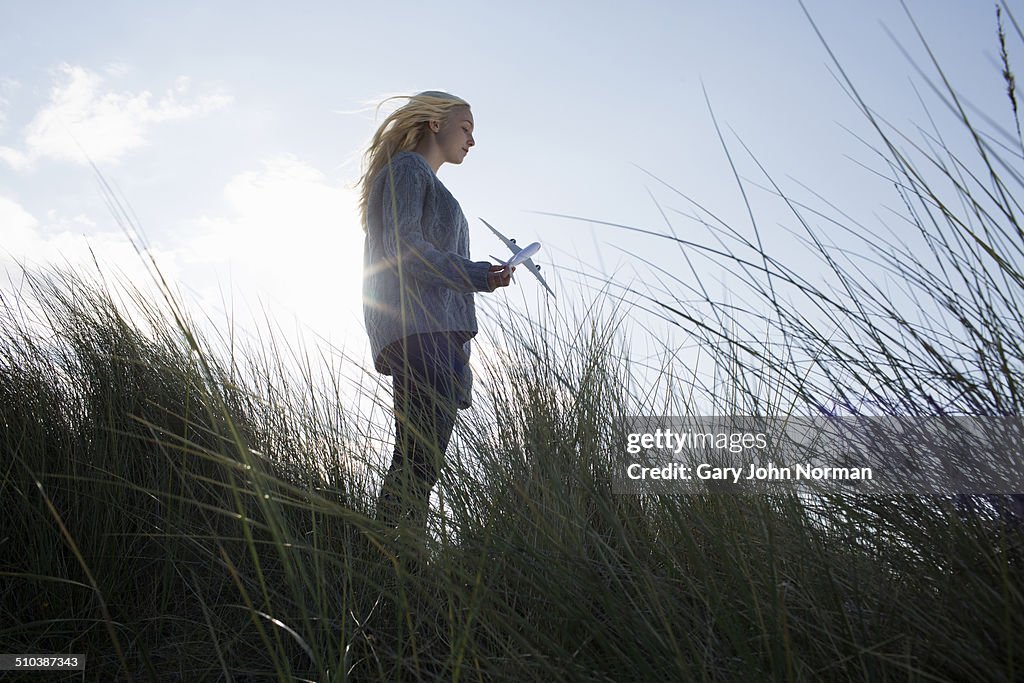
pixel 234 131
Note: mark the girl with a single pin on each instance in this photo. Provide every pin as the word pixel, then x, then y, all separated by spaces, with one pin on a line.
pixel 418 288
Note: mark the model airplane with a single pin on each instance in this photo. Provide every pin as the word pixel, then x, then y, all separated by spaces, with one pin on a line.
pixel 520 255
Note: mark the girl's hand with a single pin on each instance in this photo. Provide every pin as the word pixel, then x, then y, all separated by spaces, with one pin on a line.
pixel 499 276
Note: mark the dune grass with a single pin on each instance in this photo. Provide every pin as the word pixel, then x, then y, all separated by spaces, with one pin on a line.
pixel 175 520
pixel 183 510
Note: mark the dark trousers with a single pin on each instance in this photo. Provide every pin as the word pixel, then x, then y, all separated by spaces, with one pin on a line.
pixel 424 370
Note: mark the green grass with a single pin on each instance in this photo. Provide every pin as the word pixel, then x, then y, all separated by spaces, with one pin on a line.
pixel 179 509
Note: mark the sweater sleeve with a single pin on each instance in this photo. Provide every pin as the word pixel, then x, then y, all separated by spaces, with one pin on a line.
pixel 405 191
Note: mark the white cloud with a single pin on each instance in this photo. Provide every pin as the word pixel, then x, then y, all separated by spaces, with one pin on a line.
pixel 83 118
pixel 117 69
pixel 7 88
pixel 19 224
pixel 74 242
pixel 290 240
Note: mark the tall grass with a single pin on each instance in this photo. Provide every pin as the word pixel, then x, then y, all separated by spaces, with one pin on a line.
pixel 168 522
pixel 183 510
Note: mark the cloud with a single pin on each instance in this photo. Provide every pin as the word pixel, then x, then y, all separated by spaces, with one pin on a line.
pixel 19 224
pixel 290 241
pixel 83 117
pixel 75 242
pixel 7 88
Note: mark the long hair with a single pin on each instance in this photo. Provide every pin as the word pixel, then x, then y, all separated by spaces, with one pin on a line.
pixel 402 131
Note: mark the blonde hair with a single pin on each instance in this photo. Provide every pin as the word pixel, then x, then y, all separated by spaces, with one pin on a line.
pixel 402 131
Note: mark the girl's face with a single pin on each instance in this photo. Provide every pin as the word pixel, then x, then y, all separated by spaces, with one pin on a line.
pixel 455 136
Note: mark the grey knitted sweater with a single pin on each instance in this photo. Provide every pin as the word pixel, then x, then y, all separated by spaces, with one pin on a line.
pixel 417 276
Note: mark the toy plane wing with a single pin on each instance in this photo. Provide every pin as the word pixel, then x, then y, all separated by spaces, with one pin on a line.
pixel 530 265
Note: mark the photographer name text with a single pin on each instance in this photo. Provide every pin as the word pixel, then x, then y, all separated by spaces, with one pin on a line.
pixel 769 472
